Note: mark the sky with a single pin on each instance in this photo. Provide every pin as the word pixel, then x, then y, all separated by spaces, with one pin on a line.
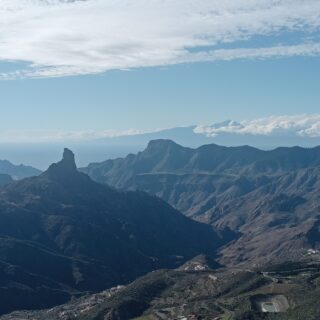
pixel 94 68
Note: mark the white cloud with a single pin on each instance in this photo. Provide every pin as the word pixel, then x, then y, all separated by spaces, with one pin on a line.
pixel 307 126
pixel 61 37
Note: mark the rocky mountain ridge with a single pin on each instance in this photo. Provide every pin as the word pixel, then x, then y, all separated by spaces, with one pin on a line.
pixel 269 197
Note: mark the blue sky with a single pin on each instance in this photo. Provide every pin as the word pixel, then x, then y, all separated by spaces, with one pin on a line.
pixel 151 98
pixel 249 60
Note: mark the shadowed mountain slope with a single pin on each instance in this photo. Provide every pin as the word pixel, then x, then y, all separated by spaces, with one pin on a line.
pixel 62 234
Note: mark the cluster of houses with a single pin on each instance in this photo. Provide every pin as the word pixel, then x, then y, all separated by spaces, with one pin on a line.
pixel 312 252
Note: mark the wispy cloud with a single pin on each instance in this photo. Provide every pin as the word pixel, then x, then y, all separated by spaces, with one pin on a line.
pixel 64 37
pixel 43 136
pixel 307 126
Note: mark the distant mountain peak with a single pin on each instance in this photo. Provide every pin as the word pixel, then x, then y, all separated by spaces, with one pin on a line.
pixel 162 144
pixel 226 123
pixel 65 167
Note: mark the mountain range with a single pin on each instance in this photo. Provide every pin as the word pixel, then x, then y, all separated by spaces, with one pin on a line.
pixel 221 217
pixel 17 171
pixel 265 134
pixel 62 234
pixel 270 198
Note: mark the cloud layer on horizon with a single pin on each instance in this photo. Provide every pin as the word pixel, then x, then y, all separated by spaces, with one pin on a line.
pixel 294 126
pixel 65 37
pixel 302 126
